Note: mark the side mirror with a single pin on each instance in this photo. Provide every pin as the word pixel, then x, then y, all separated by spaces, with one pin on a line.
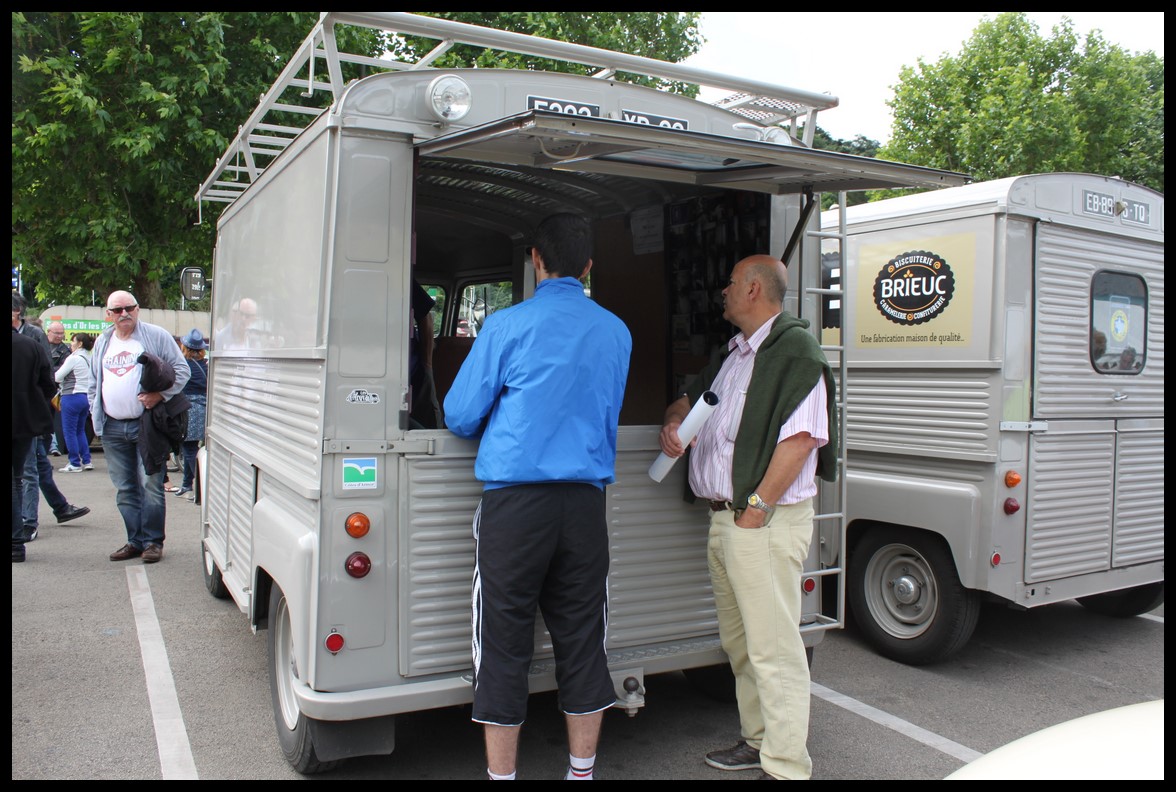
pixel 192 283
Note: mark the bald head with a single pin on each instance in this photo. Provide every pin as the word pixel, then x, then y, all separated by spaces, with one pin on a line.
pixel 772 276
pixel 755 292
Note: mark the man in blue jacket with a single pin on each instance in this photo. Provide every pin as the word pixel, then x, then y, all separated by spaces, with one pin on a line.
pixel 542 387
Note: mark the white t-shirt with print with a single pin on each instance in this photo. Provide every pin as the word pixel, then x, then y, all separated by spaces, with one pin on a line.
pixel 120 378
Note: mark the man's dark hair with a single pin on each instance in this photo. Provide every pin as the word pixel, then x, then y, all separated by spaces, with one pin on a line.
pixel 19 304
pixel 565 243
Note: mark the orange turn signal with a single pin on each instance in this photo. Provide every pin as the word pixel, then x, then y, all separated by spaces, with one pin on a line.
pixel 358 525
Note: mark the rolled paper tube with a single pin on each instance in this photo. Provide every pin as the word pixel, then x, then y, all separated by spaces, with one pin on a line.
pixel 686 433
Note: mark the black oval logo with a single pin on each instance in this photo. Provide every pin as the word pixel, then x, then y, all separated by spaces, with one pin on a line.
pixel 914 287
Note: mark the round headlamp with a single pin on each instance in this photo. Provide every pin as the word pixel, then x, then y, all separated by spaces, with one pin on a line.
pixel 449 98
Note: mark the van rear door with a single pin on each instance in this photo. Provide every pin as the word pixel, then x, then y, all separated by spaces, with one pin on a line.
pixel 1096 498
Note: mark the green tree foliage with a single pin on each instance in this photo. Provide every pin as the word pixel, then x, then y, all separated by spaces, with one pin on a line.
pixel 1015 102
pixel 117 117
pixel 666 35
pixel 860 146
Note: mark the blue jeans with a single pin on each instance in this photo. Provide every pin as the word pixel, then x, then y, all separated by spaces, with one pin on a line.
pixel 75 408
pixel 38 474
pixel 20 451
pixel 190 448
pixel 139 497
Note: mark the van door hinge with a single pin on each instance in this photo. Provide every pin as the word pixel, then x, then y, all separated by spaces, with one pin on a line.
pixel 426 446
pixel 1024 426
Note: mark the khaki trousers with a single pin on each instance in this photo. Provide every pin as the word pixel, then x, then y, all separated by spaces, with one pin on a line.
pixel 756 575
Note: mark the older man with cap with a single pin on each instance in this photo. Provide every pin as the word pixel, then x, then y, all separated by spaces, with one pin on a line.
pixel 116 403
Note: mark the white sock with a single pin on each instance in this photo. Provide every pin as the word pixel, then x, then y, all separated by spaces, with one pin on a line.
pixel 580 769
pixel 508 777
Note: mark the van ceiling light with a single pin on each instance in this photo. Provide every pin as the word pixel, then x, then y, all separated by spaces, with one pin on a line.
pixel 449 98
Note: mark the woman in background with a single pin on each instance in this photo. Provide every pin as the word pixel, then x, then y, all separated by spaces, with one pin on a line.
pixel 74 378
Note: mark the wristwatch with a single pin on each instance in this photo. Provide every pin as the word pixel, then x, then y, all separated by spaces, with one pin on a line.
pixel 754 501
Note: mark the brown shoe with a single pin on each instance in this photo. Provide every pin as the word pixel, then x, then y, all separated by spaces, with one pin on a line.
pixel 741 757
pixel 152 553
pixel 126 552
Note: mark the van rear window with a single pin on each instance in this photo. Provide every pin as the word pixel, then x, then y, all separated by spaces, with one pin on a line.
pixel 1118 323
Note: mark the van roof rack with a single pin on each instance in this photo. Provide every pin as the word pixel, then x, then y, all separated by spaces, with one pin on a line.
pixel 315 71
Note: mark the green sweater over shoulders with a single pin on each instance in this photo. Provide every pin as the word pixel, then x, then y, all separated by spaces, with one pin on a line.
pixel 787 366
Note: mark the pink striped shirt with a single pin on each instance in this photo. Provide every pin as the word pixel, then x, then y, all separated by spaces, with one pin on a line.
pixel 712 456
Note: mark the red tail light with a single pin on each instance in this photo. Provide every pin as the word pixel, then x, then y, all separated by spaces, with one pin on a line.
pixel 358 565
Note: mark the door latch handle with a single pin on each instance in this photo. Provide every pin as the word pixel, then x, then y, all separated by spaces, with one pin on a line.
pixel 1118 396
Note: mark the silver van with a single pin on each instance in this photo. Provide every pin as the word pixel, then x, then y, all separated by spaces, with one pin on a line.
pixel 330 518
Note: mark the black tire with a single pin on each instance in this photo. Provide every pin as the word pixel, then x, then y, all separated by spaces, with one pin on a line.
pixel 718 681
pixel 1127 602
pixel 294 728
pixel 907 598
pixel 213 581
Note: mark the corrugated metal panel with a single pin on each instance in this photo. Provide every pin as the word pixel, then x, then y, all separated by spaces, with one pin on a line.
pixel 438 547
pixel 659 586
pixel 1070 504
pixel 242 496
pixel 272 409
pixel 1066 383
pixel 217 493
pixel 920 411
pixel 1139 498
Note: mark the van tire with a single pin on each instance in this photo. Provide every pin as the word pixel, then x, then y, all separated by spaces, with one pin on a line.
pixel 213 580
pixel 1126 602
pixel 906 597
pixel 294 728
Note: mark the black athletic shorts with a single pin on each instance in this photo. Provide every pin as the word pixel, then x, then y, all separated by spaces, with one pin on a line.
pixel 545 546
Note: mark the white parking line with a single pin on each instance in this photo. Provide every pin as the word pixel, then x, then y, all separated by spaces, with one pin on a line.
pixel 939 743
pixel 171 738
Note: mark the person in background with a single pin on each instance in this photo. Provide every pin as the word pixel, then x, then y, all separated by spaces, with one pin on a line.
pixel 426 410
pixel 756 460
pixel 542 387
pixel 193 346
pixel 38 471
pixel 31 387
pixel 116 403
pixel 59 350
pixel 74 378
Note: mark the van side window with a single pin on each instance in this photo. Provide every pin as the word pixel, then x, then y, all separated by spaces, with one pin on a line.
pixel 1118 323
pixel 479 300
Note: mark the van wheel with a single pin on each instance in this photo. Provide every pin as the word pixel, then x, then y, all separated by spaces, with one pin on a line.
pixel 907 598
pixel 213 581
pixel 294 732
pixel 1126 603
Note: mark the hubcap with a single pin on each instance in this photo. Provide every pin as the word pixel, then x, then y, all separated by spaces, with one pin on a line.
pixel 901 591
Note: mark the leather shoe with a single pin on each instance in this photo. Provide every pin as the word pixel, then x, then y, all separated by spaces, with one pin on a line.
pixel 152 553
pixel 126 552
pixel 72 512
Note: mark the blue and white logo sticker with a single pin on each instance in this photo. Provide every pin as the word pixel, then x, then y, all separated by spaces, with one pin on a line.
pixel 360 473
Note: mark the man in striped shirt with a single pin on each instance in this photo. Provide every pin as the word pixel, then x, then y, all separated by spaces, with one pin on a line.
pixel 755 461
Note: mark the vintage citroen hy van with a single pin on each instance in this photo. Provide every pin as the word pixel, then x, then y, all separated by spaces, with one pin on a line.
pixel 343 527
pixel 1005 404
